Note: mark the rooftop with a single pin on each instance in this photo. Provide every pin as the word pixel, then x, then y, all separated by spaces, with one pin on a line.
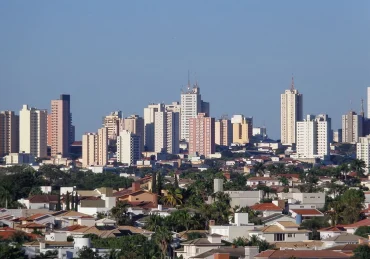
pixel 307 254
pixel 266 207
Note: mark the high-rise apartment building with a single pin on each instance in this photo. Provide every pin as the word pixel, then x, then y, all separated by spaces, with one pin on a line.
pixel 173 107
pixel 61 126
pixel 201 135
pixel 167 135
pixel 191 105
pixel 33 131
pixel 242 129
pixel 9 133
pixel 149 121
pixel 95 148
pixel 291 113
pixel 363 151
pixel 112 123
pixel 128 147
pixel 337 136
pixel 135 124
pixel 223 132
pixel 313 137
pixel 352 126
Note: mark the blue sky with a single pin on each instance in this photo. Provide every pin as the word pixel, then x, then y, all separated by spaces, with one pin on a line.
pixel 112 55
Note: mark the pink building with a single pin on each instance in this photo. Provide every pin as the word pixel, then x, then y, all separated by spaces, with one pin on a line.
pixel 60 126
pixel 201 135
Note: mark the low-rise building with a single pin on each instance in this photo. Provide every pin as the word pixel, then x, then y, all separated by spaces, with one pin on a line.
pixel 193 248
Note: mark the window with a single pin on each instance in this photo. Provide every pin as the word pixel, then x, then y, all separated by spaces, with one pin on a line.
pixel 197 250
pixel 290 235
pixel 279 237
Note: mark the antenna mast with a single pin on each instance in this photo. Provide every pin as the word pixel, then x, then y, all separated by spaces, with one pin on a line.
pixel 292 85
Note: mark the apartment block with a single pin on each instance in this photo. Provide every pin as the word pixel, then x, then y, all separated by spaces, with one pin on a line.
pixel 33 131
pixel 149 121
pixel 128 148
pixel 291 113
pixel 202 135
pixel 352 126
pixel 61 123
pixel 167 135
pixel 9 133
pixel 223 132
pixel 95 148
pixel 112 123
pixel 135 124
pixel 242 129
pixel 363 151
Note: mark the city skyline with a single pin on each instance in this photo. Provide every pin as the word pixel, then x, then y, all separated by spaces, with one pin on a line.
pixel 236 52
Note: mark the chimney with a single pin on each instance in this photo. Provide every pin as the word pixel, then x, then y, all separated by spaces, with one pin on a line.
pixel 251 251
pixel 212 222
pixel 135 186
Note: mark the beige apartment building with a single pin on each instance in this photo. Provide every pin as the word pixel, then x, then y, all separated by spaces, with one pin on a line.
pixel 223 132
pixel 242 129
pixel 201 135
pixel 149 122
pixel 291 112
pixel 95 148
pixel 33 131
pixel 128 148
pixel 135 124
pixel 60 126
pixel 352 125
pixel 9 133
pixel 112 123
pixel 167 132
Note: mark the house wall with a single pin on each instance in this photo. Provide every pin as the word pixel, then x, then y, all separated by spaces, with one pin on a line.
pixel 91 211
pixel 269 237
pixel 244 198
pixel 150 197
pixel 327 234
pixel 229 233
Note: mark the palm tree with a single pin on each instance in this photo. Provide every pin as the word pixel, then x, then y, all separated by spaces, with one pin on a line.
pixel 358 166
pixel 154 222
pixel 163 238
pixel 259 168
pixel 284 181
pixel 173 197
pixel 119 212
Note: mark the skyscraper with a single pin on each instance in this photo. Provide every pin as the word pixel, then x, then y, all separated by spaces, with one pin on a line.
pixel 223 132
pixel 128 148
pixel 242 129
pixel 9 133
pixel 95 148
pixel 313 137
pixel 201 135
pixel 135 124
pixel 61 126
pixel 112 123
pixel 363 151
pixel 352 126
pixel 291 112
pixel 33 131
pixel 149 120
pixel 167 133
pixel 191 105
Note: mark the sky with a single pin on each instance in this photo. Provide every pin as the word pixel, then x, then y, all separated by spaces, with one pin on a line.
pixel 123 55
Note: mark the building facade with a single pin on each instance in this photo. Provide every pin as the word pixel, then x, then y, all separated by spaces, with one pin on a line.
pixel 149 121
pixel 33 131
pixel 352 126
pixel 191 105
pixel 9 133
pixel 128 148
pixel 201 135
pixel 242 129
pixel 112 123
pixel 95 148
pixel 223 132
pixel 135 124
pixel 61 126
pixel 313 137
pixel 291 113
pixel 167 135
pixel 363 151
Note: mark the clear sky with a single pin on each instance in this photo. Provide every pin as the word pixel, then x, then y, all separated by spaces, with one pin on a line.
pixel 122 55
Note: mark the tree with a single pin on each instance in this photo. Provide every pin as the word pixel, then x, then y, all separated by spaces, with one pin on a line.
pixel 259 168
pixel 36 190
pixel 162 237
pixel 73 201
pixel 76 202
pixel 313 225
pixel 154 182
pixel 358 166
pixel 20 237
pixel 363 231
pixel 11 252
pixel 159 184
pixel 68 202
pixel 173 197
pixel 119 213
pixel 361 252
pixel 176 183
pixel 59 204
pixel 88 253
pixel 284 181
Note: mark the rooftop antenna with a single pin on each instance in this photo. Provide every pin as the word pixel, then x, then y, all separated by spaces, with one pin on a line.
pixel 188 80
pixel 292 85
pixel 350 104
pixel 196 79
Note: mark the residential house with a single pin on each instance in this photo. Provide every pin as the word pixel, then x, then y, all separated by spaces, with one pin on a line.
pixel 247 252
pixel 136 196
pixel 301 254
pixel 301 214
pixel 281 231
pixel 192 248
pixel 314 199
pixel 71 218
pixel 331 231
pixel 244 198
pixel 42 201
pixel 267 209
pixel 273 218
pixel 342 239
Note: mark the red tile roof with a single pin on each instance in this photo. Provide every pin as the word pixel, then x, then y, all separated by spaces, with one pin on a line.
pixel 266 206
pixel 35 216
pixel 32 225
pixel 46 198
pixel 285 254
pixel 364 222
pixel 307 212
pixel 262 179
pixel 337 228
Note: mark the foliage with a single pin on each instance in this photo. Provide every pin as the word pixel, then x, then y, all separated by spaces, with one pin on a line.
pixel 88 253
pixel 173 197
pixel 119 213
pixel 363 231
pixel 11 252
pixel 361 252
pixel 315 224
pixel 20 237
pixel 253 241
pixel 36 190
